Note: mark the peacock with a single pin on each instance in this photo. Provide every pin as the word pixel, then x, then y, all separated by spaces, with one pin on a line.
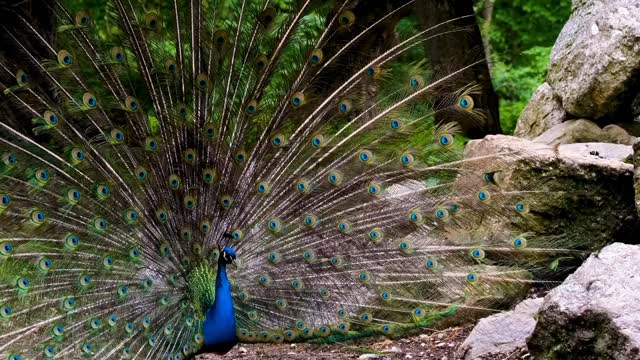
pixel 178 179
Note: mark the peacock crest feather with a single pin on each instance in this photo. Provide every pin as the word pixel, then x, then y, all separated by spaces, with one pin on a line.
pixel 136 171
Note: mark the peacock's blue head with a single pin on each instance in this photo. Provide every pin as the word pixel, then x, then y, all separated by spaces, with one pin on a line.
pixel 227 256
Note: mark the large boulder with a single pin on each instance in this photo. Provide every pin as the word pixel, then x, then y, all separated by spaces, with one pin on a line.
pixel 502 333
pixel 584 131
pixel 594 64
pixel 581 192
pixel 542 113
pixel 595 313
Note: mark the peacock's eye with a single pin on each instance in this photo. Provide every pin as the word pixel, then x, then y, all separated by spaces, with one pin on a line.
pixel 416 82
pixel 72 241
pixel 317 141
pixel 6 200
pixel 42 176
pixel 346 19
pixel 446 140
pixel 520 242
pixel 170 65
pixel 275 225
pixel 89 100
pixel 44 264
pixel 374 188
pixel 297 99
pixel 152 21
pixel 376 235
pixel 344 227
pixel 407 159
pixel 442 213
pixel 64 58
pixel 37 217
pixel 6 249
pixel 220 38
pixel 22 78
pixel 431 264
pixel 58 330
pixel 277 140
pixel 162 215
pixel 345 106
pixel 466 102
pixel 316 56
pixel 9 160
pixel 202 81
pixel 85 280
pixel 49 351
pixel 477 254
pixel 302 185
pixel 82 19
pixel 252 107
pixel 415 216
pixel 210 130
pixel 483 195
pixel 365 156
pixel 261 62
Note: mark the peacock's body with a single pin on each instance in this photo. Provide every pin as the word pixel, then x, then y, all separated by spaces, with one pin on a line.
pixel 136 165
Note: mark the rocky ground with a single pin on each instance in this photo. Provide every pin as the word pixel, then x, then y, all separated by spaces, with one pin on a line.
pixel 432 345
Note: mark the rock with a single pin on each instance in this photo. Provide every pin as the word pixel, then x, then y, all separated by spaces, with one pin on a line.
pixel 604 151
pixel 369 356
pixel 595 313
pixel 617 135
pixel 502 333
pixel 595 58
pixel 583 191
pixel 636 172
pixel 542 113
pixel 242 350
pixel 392 350
pixel 581 131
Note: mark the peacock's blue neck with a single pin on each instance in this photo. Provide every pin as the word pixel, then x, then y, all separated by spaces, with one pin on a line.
pixel 220 322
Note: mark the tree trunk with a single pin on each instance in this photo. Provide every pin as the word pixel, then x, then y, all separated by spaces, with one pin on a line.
pixel 13 15
pixel 455 50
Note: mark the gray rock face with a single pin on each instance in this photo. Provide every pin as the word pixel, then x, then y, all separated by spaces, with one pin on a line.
pixel 502 333
pixel 595 313
pixel 542 113
pixel 596 57
pixel 636 173
pixel 584 192
pixel 605 151
pixel 581 131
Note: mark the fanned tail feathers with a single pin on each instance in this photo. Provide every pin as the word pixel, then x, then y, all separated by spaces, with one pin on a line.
pixel 350 210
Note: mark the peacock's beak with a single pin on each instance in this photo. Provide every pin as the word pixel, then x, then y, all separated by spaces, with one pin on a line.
pixel 233 262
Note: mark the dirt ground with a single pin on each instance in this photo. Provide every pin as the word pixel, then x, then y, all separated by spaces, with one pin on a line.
pixel 431 345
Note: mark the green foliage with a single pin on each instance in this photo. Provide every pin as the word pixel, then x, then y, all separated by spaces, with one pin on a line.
pixel 519 25
pixel 520 34
pixel 515 83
